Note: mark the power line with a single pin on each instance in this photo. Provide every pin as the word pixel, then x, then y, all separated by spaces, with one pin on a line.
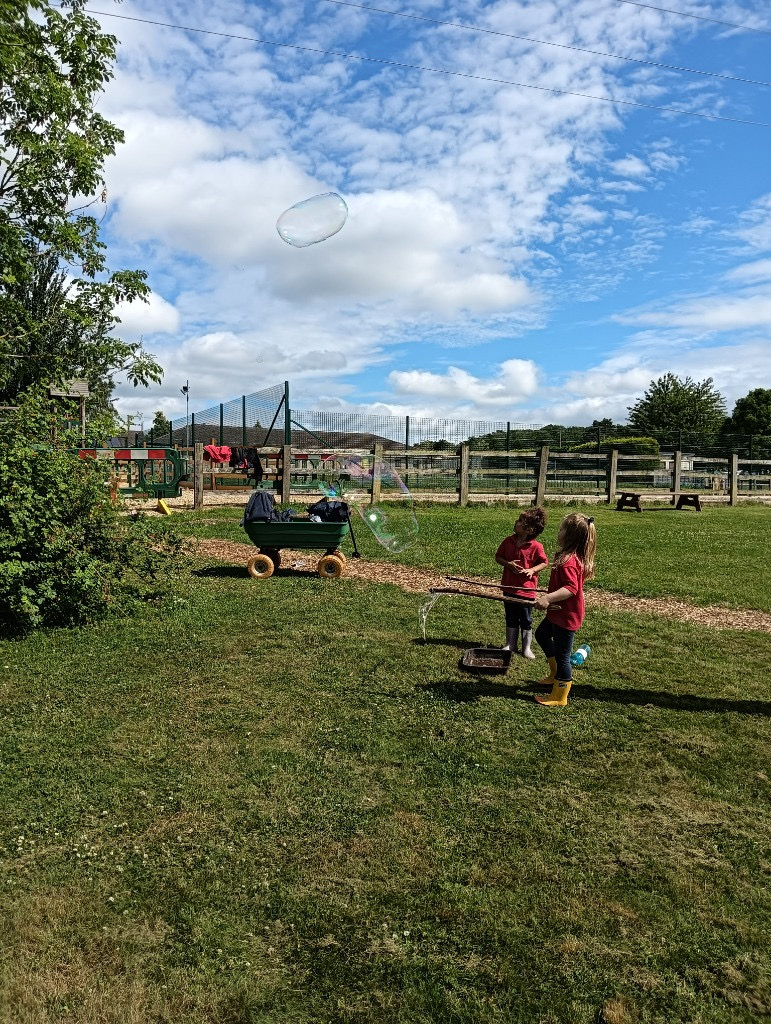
pixel 438 71
pixel 698 17
pixel 546 42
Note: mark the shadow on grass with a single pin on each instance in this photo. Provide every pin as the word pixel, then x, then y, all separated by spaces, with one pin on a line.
pixel 672 701
pixel 222 572
pixel 463 692
pixel 438 641
pixel 652 508
pixel 240 572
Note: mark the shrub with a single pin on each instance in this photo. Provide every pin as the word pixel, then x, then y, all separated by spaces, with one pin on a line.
pixel 626 446
pixel 67 554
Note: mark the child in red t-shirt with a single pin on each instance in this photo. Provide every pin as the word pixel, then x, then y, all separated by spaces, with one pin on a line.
pixel 522 557
pixel 564 603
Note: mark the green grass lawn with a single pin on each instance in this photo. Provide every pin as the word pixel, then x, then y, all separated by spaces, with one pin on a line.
pixel 270 802
pixel 717 556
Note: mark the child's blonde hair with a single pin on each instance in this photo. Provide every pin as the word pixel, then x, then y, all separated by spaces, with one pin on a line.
pixel 579 539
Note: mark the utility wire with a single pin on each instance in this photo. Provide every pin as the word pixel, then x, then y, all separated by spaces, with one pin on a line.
pixel 698 17
pixel 439 71
pixel 546 42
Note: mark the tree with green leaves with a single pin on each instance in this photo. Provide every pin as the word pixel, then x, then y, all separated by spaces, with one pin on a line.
pixel 58 298
pixel 161 426
pixel 671 404
pixel 752 414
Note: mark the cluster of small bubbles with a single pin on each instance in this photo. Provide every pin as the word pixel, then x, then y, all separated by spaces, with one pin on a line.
pixel 313 220
pixel 391 520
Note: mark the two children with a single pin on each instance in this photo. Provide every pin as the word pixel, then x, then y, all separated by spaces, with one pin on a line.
pixel 564 600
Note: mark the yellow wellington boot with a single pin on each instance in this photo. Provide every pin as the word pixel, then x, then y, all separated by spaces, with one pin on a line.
pixel 558 698
pixel 548 680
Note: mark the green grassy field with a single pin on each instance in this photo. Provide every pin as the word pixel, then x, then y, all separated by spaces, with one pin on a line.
pixel 717 556
pixel 271 802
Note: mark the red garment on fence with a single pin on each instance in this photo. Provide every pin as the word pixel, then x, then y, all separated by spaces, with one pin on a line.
pixel 217 452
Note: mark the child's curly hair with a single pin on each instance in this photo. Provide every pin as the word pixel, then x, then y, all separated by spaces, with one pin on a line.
pixel 534 520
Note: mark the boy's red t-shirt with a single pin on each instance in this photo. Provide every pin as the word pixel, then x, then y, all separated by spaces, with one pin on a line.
pixel 529 554
pixel 569 574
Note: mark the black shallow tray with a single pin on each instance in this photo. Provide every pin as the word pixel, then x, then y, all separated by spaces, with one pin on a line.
pixel 475 659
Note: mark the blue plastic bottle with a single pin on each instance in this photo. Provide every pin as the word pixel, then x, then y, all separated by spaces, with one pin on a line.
pixel 579 655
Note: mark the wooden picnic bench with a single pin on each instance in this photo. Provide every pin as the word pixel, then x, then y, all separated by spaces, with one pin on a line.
pixel 631 499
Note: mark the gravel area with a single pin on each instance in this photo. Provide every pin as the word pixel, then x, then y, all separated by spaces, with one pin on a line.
pixel 420 581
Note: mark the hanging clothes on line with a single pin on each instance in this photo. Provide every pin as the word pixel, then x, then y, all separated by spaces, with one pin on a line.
pixel 254 467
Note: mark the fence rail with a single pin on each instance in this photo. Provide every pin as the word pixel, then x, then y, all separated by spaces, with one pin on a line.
pixel 469 474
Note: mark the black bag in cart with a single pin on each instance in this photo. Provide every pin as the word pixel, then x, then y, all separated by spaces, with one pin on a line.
pixel 330 511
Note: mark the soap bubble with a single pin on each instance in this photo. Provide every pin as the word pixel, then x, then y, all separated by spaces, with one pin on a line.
pixel 331 488
pixel 391 520
pixel 312 220
pixel 425 611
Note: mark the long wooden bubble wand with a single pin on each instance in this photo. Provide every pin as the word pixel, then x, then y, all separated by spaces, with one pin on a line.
pixel 497 586
pixel 437 591
pixel 484 597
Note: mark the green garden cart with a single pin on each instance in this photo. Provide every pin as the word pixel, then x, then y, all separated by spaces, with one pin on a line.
pixel 271 537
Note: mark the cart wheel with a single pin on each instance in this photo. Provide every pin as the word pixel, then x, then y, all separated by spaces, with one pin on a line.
pixel 330 567
pixel 260 566
pixel 274 555
pixel 339 554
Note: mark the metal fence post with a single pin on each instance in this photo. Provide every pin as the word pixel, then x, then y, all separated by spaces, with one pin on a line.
pixel 612 473
pixel 464 466
pixel 406 449
pixel 543 465
pixel 508 459
pixel 286 473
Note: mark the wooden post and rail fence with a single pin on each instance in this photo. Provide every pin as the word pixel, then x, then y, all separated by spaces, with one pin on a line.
pixel 516 475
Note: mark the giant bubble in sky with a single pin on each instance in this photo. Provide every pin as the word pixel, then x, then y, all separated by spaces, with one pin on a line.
pixel 312 220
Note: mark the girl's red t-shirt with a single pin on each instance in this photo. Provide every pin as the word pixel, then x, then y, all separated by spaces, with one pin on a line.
pixel 529 554
pixel 570 574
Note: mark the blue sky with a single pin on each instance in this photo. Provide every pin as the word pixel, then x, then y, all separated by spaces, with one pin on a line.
pixel 510 253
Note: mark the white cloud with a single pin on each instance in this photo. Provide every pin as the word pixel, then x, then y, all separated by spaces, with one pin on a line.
pixel 156 316
pixel 756 224
pixel 708 314
pixel 516 379
pixel 630 166
pixel 759 270
pixel 621 186
pixel 608 380
pixel 697 225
